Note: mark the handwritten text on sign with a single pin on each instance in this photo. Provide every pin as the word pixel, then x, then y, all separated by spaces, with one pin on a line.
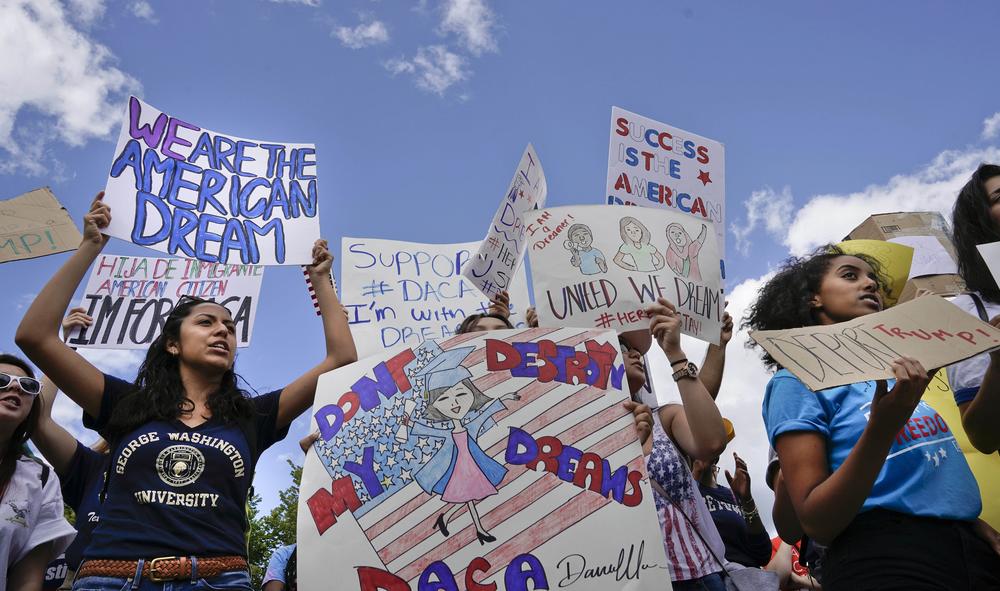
pixel 652 164
pixel 601 266
pixel 502 460
pixel 499 256
pixel 35 224
pixel 405 292
pixel 196 193
pixel 929 329
pixel 130 298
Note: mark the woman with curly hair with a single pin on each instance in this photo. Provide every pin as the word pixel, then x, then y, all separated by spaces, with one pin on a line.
pixel 892 497
pixel 184 437
pixel 976 381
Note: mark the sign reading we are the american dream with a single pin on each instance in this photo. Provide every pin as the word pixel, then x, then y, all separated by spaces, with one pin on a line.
pixel 602 266
pixel 652 164
pixel 930 329
pixel 130 297
pixel 191 192
pixel 492 268
pixel 400 293
pixel 494 460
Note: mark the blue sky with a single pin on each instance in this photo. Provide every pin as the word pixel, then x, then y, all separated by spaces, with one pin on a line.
pixel 421 110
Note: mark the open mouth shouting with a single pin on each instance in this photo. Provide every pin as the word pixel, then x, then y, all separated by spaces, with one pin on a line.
pixel 872 300
pixel 11 399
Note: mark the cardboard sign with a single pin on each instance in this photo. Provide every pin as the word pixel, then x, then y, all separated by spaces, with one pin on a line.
pixel 130 298
pixel 599 266
pixel 500 254
pixel 929 329
pixel 894 259
pixel 35 224
pixel 653 164
pixel 405 292
pixel 191 192
pixel 501 460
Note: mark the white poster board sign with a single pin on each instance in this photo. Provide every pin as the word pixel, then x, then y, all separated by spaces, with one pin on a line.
pixel 130 297
pixel 652 164
pixel 402 293
pixel 196 193
pixel 929 256
pixel 499 257
pixel 461 464
pixel 601 266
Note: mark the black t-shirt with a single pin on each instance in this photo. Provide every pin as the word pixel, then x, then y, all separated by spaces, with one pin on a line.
pixel 81 490
pixel 742 547
pixel 176 490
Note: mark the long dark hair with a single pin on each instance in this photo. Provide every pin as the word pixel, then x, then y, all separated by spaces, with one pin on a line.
pixel 972 225
pixel 15 446
pixel 786 300
pixel 159 393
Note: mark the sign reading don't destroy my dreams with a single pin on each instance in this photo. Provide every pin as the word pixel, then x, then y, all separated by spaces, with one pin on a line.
pixel 129 298
pixel 191 192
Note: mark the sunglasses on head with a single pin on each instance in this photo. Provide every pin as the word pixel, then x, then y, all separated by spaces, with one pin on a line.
pixel 28 385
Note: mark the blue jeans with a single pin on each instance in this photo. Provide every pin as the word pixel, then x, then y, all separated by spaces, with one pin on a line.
pixel 237 579
pixel 712 582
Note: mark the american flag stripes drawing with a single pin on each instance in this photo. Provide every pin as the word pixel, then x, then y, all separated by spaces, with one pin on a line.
pixel 533 503
pixel 312 290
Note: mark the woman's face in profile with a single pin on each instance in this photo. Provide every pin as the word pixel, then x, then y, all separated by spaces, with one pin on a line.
pixel 992 188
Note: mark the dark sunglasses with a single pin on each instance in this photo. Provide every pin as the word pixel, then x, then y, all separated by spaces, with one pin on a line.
pixel 29 386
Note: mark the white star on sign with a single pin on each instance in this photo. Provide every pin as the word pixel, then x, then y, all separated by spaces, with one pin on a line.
pixel 390 461
pixel 405 475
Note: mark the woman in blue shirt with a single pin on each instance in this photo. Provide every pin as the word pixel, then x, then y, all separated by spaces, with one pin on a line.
pixel 184 437
pixel 869 468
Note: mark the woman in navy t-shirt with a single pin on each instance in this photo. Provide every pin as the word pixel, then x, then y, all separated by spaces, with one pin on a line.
pixel 184 437
pixel 869 468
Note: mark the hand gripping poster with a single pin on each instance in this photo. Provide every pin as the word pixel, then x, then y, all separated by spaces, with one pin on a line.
pixel 652 164
pixel 486 461
pixel 601 266
pixel 191 192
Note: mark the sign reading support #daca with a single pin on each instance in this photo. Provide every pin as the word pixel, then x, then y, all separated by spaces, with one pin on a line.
pixel 130 298
pixel 196 193
pixel 652 164
pixel 493 460
pixel 602 266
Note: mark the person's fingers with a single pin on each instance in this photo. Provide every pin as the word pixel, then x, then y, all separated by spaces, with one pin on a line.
pixel 631 405
pixel 729 478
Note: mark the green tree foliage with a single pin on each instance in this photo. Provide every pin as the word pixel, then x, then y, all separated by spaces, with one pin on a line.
pixel 274 529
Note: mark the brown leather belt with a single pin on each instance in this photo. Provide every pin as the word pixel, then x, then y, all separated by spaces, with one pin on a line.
pixel 164 568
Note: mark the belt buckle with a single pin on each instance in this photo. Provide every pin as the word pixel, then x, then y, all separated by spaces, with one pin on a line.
pixel 156 578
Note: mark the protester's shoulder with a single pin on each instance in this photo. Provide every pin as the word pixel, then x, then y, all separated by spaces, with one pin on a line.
pixel 267 401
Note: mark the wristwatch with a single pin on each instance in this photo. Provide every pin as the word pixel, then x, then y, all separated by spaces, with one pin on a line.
pixel 688 371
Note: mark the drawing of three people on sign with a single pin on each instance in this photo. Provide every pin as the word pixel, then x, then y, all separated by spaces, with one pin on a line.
pixel 636 252
pixel 460 472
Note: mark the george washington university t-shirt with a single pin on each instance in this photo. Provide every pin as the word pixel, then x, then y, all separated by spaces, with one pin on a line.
pixel 175 490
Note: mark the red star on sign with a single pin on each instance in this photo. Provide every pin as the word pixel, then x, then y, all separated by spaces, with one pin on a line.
pixel 703 177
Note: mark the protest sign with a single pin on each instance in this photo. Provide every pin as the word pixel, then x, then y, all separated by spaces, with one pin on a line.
pixel 35 224
pixel 130 298
pixel 188 191
pixel 493 460
pixel 500 254
pixel 653 164
pixel 598 266
pixel 991 256
pixel 894 260
pixel 405 292
pixel 931 330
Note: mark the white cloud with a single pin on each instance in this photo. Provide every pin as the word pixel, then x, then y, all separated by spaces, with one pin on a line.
pixel 991 126
pixel 473 22
pixel 86 11
pixel 53 70
pixel 119 362
pixel 765 206
pixel 143 10
pixel 828 218
pixel 311 3
pixel 368 33
pixel 435 68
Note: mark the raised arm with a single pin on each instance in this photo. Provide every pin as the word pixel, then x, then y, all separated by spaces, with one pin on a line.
pixel 826 503
pixel 38 333
pixel 696 425
pixel 500 304
pixel 298 395
pixel 714 364
pixel 981 415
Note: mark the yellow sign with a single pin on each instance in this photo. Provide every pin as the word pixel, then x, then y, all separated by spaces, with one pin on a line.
pixel 895 260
